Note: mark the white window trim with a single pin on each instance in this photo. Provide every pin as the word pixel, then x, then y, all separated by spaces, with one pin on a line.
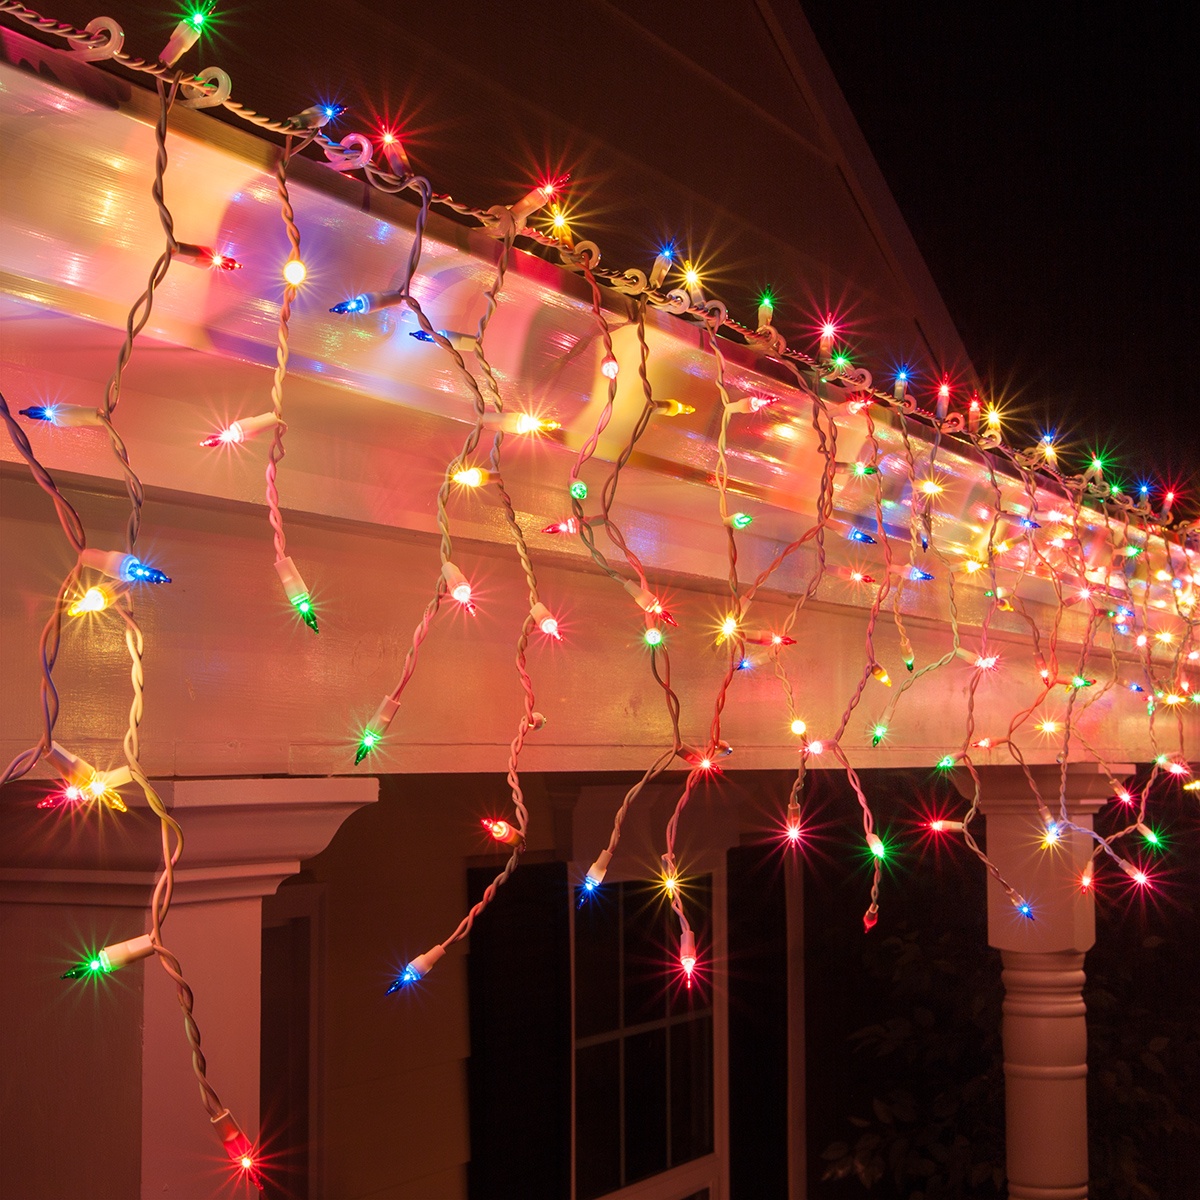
pixel 711 1171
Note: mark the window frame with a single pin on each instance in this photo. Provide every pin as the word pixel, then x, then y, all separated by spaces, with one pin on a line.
pixel 711 1170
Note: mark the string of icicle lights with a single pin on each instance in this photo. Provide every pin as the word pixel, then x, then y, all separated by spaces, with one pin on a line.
pixel 1146 549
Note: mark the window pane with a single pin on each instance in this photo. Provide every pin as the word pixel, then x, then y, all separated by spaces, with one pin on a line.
pixel 597 1120
pixel 646 953
pixel 597 973
pixel 645 1104
pixel 691 1090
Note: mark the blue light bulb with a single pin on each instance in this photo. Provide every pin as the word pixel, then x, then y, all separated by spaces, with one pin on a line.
pixel 667 250
pixel 136 571
pixel 409 975
pixel 1136 687
pixel 1025 909
pixel 902 375
pixel 40 412
pixel 421 335
pixel 919 576
pixel 358 305
pixel 1029 523
pixel 744 665
pixel 857 535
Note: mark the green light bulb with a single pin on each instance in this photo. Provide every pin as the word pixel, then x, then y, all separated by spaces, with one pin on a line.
pixel 740 520
pixel 303 605
pixel 1152 838
pixel 878 734
pixel 653 637
pixel 197 18
pixel 368 742
pixel 92 967
pixel 579 490
pixel 946 762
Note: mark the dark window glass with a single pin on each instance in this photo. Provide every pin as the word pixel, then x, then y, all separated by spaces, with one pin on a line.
pixel 643 1040
pixel 597 1120
pixel 691 1090
pixel 645 1104
pixel 597 964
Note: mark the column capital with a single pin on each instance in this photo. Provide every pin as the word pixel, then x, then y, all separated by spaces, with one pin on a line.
pixel 1005 788
pixel 1047 876
pixel 242 838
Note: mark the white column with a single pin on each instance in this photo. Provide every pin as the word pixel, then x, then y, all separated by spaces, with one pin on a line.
pixel 108 1105
pixel 1044 1030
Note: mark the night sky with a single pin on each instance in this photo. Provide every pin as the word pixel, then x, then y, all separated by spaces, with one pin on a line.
pixel 1045 159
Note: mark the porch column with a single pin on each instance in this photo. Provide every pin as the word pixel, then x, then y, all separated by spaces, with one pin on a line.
pixel 1044 1025
pixel 109 1105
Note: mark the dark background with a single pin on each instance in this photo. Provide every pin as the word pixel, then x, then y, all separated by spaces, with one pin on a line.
pixel 1045 158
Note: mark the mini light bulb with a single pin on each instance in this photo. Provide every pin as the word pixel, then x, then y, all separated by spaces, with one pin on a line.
pixel 297 592
pixel 648 602
pixel 931 487
pixel 1135 873
pixel 1048 727
pixel 471 477
pixel 238 431
pixel 940 825
pixel 1052 836
pixel 766 310
pixel 609 367
pixel 691 277
pixel 946 762
pixel 376 727
pixel 418 968
pixel 687 954
pixel 1023 907
pixel 460 588
pixel 672 408
pixel 750 404
pixel 858 535
pixel 739 520
pixel 814 748
pixel 294 272
pixel 578 490
pixel 63 415
pixel 878 849
pixel 502 831
pixel 881 674
pixel 729 626
pixel 653 637
pixel 792 827
pixel 112 958
pixel 828 333
pixel 95 599
pixel 878 733
pixel 545 621
pixel 799 728
pixel 596 872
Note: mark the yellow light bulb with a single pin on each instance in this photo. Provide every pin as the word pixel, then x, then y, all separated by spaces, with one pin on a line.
pixel 1049 726
pixel 729 627
pixel 95 599
pixel 993 418
pixel 470 477
pixel 972 565
pixel 528 423
pixel 294 272
pixel 799 728
pixel 931 487
pixel 691 276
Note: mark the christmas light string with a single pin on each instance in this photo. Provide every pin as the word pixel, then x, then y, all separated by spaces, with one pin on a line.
pixel 828 381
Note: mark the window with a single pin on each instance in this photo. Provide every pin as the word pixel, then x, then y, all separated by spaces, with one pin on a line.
pixel 643 1040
